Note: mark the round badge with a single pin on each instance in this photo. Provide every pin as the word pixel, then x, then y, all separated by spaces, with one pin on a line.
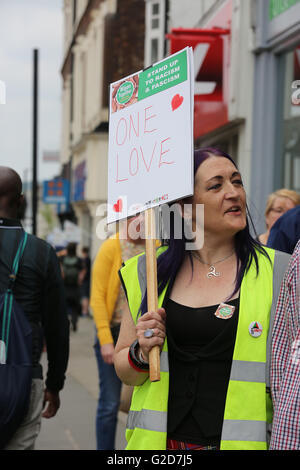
pixel 255 329
pixel 125 92
pixel 224 311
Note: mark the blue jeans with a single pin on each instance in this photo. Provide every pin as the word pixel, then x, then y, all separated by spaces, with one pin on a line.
pixel 108 403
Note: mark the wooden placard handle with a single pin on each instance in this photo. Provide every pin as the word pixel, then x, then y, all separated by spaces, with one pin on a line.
pixel 151 264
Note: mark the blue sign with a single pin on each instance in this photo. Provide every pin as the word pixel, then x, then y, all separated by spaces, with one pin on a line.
pixel 79 179
pixel 56 191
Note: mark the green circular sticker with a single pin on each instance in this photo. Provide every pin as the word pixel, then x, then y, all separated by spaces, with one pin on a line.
pixel 225 311
pixel 125 92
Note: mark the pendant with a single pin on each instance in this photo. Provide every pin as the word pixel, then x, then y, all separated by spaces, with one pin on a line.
pixel 224 311
pixel 212 272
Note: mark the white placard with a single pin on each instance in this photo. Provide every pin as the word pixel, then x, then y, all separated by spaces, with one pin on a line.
pixel 151 137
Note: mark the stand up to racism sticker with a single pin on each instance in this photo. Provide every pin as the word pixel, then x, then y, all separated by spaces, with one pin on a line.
pixel 151 137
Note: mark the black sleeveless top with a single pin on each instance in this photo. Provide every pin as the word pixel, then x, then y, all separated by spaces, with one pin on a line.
pixel 200 349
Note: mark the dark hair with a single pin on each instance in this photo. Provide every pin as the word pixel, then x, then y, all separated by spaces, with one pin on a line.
pixel 10 190
pixel 71 249
pixel 169 262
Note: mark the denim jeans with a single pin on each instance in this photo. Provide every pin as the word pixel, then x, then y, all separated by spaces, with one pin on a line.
pixel 108 402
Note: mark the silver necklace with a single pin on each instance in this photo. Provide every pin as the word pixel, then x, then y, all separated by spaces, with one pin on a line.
pixel 212 270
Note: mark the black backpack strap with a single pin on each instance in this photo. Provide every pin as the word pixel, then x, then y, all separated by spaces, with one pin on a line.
pixel 8 300
pixel 18 256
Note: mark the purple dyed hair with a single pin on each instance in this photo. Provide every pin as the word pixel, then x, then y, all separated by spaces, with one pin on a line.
pixel 169 262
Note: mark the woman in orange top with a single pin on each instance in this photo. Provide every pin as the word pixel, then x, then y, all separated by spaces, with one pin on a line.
pixel 107 304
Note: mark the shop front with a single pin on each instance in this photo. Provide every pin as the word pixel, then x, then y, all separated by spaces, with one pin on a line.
pixel 276 116
pixel 211 48
pixel 223 67
pixel 290 119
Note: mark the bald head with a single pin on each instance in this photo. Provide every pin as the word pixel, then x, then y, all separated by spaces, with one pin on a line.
pixel 10 192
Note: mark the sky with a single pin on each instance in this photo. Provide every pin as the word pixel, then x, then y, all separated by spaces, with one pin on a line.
pixel 26 25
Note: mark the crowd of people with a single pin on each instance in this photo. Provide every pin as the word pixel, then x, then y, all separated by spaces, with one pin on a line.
pixel 227 324
pixel 76 273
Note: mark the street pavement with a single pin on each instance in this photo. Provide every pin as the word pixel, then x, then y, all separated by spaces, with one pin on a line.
pixel 73 428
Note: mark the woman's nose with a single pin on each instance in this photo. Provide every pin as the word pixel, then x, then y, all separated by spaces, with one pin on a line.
pixel 231 191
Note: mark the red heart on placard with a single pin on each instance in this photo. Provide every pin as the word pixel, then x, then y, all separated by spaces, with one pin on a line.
pixel 118 206
pixel 177 101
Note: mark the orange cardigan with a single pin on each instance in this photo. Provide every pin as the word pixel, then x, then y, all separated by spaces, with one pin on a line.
pixel 105 286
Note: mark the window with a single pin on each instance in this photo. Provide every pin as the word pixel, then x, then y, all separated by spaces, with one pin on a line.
pixel 72 88
pixel 155 16
pixel 74 10
pixel 291 121
pixel 155 31
pixel 154 50
pixel 155 9
pixel 155 23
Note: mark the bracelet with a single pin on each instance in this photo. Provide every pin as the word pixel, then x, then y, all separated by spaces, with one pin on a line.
pixel 133 359
pixel 141 358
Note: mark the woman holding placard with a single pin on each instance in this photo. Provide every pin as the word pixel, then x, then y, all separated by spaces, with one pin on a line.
pixel 213 326
pixel 107 303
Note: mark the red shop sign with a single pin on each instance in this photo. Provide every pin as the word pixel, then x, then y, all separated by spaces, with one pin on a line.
pixel 211 84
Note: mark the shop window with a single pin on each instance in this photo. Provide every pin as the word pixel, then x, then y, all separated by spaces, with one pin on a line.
pixel 291 121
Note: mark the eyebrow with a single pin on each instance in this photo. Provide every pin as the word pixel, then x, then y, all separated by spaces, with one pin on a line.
pixel 219 177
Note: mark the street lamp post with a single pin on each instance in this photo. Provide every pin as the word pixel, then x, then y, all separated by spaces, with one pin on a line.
pixel 35 143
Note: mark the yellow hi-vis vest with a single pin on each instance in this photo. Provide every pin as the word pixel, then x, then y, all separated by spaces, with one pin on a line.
pixel 248 408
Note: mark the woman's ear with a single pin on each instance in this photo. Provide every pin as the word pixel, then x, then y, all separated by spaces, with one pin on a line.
pixel 21 207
